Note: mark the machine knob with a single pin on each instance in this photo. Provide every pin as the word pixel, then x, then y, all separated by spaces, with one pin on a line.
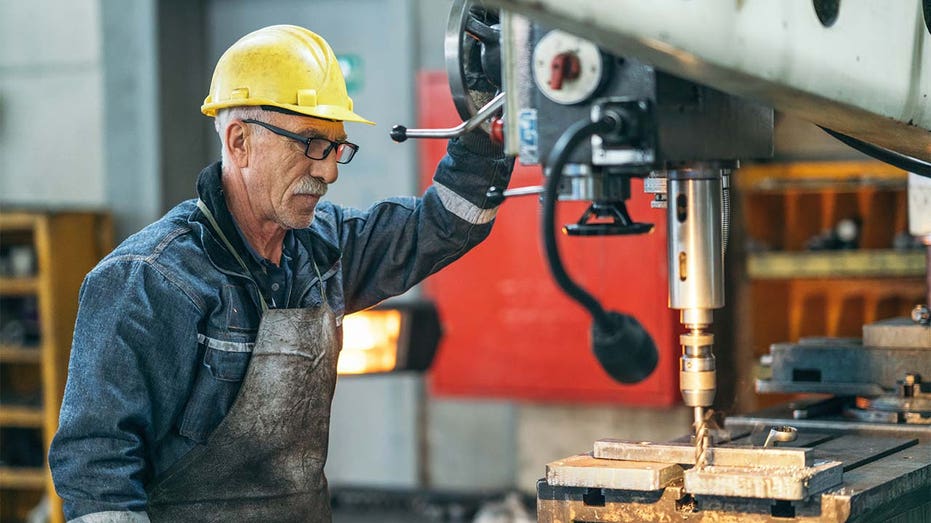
pixel 568 69
pixel 497 130
pixel 399 133
pixel 565 66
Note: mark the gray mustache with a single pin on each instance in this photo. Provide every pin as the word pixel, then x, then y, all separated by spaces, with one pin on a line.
pixel 311 186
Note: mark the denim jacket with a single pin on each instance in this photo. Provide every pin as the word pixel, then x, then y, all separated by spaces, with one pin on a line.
pixel 167 321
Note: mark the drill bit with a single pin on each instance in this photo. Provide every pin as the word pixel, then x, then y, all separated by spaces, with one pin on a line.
pixel 702 436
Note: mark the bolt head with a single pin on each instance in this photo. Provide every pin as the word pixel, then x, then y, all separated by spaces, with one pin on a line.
pixel 921 314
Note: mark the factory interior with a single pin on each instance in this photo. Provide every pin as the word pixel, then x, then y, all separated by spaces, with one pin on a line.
pixel 704 297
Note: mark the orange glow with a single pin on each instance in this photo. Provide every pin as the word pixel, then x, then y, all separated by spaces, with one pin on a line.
pixel 370 342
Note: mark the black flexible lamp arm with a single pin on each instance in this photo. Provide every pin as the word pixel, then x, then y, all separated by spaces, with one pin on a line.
pixel 559 155
pixel 623 347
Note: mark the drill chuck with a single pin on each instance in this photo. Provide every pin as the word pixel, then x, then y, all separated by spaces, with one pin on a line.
pixel 697 369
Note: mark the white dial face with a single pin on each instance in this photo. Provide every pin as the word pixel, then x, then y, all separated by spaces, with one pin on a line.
pixel 566 68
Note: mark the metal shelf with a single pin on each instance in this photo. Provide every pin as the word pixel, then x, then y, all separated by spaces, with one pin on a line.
pixel 18 286
pixel 18 221
pixel 66 244
pixel 31 478
pixel 819 176
pixel 19 416
pixel 16 354
pixel 836 264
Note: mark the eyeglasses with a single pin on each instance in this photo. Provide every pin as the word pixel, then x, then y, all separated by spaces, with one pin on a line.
pixel 315 148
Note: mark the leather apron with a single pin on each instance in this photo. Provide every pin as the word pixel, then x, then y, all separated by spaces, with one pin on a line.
pixel 264 461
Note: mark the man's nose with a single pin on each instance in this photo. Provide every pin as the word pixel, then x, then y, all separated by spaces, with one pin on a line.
pixel 326 169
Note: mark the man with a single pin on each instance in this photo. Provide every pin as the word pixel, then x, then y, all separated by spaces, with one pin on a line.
pixel 179 405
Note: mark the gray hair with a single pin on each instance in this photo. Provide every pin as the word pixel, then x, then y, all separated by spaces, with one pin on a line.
pixel 225 116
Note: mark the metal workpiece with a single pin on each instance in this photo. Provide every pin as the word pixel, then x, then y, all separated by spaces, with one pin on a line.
pixel 586 471
pixel 694 239
pixel 726 455
pixel 899 332
pixel 776 483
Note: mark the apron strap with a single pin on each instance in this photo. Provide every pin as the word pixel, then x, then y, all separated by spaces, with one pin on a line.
pixel 319 279
pixel 229 246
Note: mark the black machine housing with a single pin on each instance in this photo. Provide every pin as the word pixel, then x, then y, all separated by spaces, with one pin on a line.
pixel 684 122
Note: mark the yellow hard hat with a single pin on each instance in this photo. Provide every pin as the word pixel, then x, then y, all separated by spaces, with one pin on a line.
pixel 281 66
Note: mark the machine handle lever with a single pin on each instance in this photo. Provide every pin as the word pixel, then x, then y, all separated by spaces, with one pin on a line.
pixel 495 195
pixel 399 133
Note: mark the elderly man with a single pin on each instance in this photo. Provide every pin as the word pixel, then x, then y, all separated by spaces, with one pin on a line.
pixel 204 355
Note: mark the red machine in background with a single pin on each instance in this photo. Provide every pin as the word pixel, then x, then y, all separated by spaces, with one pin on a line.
pixel 509 332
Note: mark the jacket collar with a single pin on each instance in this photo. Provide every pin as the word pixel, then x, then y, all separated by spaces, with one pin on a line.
pixel 210 191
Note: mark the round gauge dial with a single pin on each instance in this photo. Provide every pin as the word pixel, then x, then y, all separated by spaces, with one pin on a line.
pixel 567 69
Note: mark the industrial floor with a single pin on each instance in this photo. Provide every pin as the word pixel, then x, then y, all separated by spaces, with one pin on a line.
pixel 365 516
pixel 365 506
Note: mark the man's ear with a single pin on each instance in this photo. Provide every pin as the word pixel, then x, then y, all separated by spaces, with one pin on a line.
pixel 237 143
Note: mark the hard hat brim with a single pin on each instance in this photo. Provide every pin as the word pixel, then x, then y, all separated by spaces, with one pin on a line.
pixel 327 112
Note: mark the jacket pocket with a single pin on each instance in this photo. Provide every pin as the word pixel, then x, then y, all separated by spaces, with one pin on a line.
pixel 215 389
pixel 226 365
pixel 241 314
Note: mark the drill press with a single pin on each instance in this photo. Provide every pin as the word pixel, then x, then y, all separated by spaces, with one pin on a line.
pixel 687 137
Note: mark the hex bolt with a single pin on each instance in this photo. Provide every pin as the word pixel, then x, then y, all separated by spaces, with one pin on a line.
pixel 910 384
pixel 921 315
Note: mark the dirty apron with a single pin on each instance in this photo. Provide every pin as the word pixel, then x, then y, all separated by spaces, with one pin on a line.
pixel 264 461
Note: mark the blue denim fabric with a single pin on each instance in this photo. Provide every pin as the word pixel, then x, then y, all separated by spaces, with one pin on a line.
pixel 167 321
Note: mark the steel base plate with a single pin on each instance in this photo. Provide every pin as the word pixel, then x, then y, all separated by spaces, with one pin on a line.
pixel 850 477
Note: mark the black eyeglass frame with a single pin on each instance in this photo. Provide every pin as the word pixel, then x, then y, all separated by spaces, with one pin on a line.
pixel 331 145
